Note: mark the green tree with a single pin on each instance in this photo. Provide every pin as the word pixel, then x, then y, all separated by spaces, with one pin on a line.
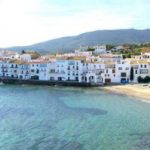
pixel 132 74
pixel 140 79
pixel 109 46
pixel 146 79
pixel 90 49
pixel 23 52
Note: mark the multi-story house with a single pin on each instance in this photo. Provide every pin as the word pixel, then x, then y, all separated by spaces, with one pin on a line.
pixel 106 68
pixel 4 67
pixel 39 70
pixel 122 71
pixel 141 68
pixel 110 72
pixel 93 72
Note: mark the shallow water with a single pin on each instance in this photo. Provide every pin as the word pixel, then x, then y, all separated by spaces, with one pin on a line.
pixel 59 118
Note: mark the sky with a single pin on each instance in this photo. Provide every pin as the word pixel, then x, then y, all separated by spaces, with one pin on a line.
pixel 25 22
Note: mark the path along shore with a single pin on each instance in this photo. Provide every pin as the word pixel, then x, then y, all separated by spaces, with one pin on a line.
pixel 141 91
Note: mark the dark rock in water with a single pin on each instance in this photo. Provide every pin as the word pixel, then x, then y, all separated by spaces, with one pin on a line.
pixel 81 111
pixel 92 111
pixel 144 142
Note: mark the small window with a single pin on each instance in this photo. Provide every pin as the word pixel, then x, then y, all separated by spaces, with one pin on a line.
pixel 136 72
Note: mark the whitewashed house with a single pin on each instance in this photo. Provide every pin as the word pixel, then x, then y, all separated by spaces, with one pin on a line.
pixel 141 68
pixel 4 68
pixel 25 57
pixel 123 72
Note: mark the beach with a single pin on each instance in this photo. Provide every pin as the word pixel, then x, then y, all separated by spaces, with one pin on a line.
pixel 141 91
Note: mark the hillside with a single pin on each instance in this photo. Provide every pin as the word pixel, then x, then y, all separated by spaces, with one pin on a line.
pixel 66 44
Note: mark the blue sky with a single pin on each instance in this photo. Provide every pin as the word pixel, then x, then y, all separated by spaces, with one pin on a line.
pixel 26 22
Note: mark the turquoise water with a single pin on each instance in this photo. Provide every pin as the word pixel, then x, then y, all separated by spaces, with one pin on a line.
pixel 59 118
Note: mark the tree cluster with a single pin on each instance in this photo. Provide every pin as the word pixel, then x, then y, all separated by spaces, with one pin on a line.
pixel 144 80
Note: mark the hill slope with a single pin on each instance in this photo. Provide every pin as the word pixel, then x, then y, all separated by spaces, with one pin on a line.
pixel 65 44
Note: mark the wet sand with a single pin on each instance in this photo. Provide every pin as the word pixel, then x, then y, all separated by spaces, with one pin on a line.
pixel 141 91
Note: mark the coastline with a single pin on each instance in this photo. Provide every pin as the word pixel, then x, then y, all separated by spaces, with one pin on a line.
pixel 133 90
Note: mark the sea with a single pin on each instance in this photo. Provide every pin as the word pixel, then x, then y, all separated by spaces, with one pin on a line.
pixel 68 118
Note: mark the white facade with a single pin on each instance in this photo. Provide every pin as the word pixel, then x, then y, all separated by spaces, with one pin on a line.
pixel 25 57
pixel 141 69
pixel 106 68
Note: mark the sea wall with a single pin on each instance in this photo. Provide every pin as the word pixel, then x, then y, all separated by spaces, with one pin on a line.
pixel 49 83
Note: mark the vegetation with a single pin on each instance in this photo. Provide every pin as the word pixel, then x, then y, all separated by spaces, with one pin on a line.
pixel 23 52
pixel 90 49
pixel 132 74
pixel 144 80
pixel 133 49
pixel 109 46
pixel 34 55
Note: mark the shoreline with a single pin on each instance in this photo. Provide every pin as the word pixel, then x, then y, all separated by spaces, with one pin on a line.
pixel 138 91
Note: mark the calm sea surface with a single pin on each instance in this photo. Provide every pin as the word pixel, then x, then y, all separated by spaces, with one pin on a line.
pixel 59 118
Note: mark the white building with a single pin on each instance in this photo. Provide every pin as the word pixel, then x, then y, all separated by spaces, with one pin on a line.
pixel 100 49
pixel 105 68
pixel 25 57
pixel 141 68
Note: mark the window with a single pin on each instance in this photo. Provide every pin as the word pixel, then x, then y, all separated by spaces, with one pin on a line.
pixel 113 71
pixel 123 74
pixel 52 78
pixel 143 71
pixel 77 79
pixel 136 72
pixel 120 68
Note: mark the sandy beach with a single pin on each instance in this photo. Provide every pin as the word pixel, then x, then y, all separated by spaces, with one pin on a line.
pixel 141 91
